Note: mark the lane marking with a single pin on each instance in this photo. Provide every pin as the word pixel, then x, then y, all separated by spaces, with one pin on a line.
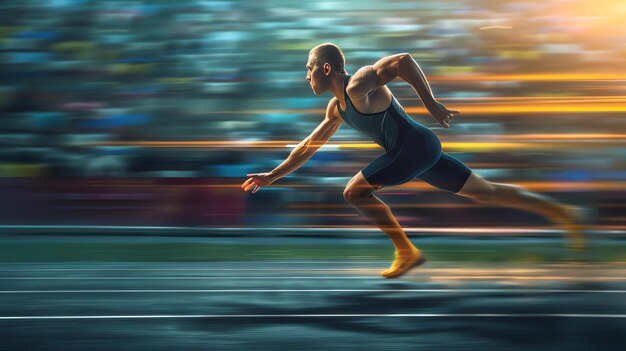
pixel 335 269
pixel 174 263
pixel 337 315
pixel 218 277
pixel 424 275
pixel 182 277
pixel 203 265
pixel 185 269
pixel 133 291
pixel 514 277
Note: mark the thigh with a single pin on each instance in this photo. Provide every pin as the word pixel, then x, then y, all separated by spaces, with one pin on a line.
pixel 447 174
pixel 401 165
pixel 478 188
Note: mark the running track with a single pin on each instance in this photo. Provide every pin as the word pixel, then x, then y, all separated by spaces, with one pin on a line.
pixel 311 305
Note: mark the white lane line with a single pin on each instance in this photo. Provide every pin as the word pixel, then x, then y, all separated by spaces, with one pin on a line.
pixel 453 230
pixel 184 269
pixel 168 291
pixel 424 276
pixel 335 269
pixel 280 262
pixel 213 277
pixel 193 270
pixel 174 263
pixel 221 277
pixel 337 315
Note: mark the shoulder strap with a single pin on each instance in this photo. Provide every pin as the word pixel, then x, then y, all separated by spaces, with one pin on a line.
pixel 346 79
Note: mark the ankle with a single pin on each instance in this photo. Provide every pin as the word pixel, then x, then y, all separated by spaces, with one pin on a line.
pixel 409 250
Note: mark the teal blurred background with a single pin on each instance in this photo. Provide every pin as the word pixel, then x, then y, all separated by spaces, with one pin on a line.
pixel 152 112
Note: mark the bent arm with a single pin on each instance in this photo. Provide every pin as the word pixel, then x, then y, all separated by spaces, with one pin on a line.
pixel 403 66
pixel 307 147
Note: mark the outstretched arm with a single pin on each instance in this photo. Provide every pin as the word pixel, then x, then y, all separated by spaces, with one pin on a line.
pixel 403 66
pixel 301 153
pixel 309 146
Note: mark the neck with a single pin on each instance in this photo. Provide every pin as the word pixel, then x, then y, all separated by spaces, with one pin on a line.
pixel 336 86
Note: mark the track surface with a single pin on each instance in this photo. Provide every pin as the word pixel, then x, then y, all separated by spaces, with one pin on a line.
pixel 287 304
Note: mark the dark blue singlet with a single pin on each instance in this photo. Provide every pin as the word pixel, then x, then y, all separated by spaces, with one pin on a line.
pixel 412 149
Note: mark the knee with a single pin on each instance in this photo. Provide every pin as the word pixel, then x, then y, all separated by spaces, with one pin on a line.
pixel 351 195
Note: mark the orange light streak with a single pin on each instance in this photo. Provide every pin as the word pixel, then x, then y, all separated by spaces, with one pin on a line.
pixel 592 140
pixel 422 186
pixel 573 106
pixel 573 136
pixel 530 77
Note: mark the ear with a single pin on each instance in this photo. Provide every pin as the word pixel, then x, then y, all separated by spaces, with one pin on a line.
pixel 327 68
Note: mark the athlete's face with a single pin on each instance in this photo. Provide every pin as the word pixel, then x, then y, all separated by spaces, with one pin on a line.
pixel 315 75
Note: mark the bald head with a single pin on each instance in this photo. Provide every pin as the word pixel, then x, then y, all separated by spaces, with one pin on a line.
pixel 331 54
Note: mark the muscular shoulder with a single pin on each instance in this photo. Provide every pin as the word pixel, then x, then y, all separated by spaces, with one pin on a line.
pixel 367 92
pixel 372 79
pixel 361 82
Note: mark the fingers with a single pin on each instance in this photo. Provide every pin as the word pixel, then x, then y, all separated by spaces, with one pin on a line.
pixel 249 186
pixel 246 183
pixel 444 122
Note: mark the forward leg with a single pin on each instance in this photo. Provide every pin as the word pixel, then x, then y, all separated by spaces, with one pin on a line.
pixel 359 194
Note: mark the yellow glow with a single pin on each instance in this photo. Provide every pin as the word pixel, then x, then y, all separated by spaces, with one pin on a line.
pixel 593 141
pixel 533 77
pixel 521 54
pixel 515 108
pixel 455 69
pixel 495 27
pixel 573 136
pixel 493 105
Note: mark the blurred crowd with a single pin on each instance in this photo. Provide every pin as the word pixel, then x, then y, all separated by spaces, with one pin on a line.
pixel 82 78
pixel 170 89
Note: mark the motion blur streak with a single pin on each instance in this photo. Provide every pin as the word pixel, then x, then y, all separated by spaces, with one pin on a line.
pixel 536 77
pixel 128 126
pixel 455 146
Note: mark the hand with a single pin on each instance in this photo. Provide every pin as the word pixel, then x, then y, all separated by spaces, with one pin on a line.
pixel 441 114
pixel 257 181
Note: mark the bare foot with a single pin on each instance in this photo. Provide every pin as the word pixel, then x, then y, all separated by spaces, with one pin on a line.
pixel 403 262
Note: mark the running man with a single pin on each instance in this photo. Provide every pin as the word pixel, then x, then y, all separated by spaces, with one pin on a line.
pixel 365 103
